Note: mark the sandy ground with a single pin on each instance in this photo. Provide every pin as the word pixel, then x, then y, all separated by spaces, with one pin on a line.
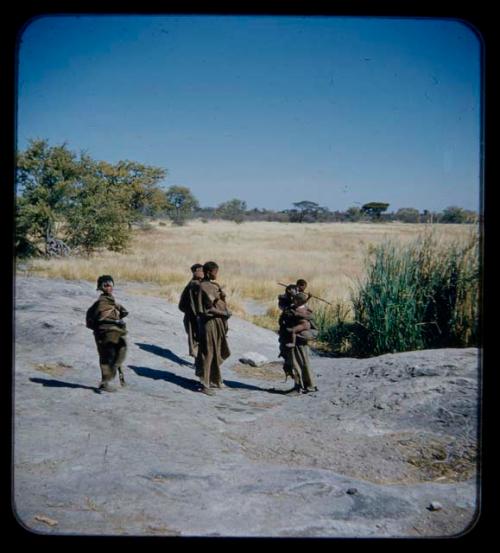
pixel 365 456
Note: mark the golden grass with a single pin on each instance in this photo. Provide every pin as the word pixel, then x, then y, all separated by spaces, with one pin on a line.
pixel 252 257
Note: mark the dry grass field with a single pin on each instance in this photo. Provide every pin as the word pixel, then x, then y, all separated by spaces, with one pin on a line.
pixel 252 257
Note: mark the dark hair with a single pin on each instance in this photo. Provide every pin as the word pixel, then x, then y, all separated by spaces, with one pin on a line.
pixel 209 266
pixel 196 266
pixel 301 282
pixel 102 279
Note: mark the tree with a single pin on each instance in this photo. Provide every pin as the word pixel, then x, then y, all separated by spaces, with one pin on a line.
pixel 322 214
pixel 233 210
pixel 374 210
pixel 453 214
pixel 471 216
pixel 98 214
pixel 408 215
pixel 108 199
pixel 25 220
pixel 354 214
pixel 307 212
pixel 182 203
pixel 140 186
pixel 135 186
pixel 94 203
pixel 44 177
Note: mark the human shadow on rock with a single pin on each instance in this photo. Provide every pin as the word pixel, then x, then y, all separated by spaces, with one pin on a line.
pixel 242 385
pixel 155 374
pixel 51 383
pixel 166 353
pixel 188 383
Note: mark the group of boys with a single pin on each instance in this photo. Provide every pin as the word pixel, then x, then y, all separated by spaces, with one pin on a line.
pixel 205 320
pixel 206 315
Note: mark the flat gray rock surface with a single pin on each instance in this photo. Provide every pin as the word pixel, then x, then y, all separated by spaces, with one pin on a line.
pixel 364 456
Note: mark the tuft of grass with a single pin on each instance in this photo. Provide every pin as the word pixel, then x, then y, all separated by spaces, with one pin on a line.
pixel 451 462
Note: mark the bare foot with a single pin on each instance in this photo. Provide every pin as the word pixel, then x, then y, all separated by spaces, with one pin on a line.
pixel 106 387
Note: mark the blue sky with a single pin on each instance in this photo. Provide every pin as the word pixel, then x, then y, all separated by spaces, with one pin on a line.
pixel 268 109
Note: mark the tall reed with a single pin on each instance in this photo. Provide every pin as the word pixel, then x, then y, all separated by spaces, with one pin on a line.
pixel 424 294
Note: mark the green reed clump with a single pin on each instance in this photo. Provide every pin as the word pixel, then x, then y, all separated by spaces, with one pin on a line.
pixel 415 296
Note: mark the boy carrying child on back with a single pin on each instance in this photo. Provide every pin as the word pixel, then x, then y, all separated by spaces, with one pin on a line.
pixel 298 318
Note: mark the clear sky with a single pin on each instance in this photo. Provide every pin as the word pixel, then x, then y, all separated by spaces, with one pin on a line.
pixel 268 109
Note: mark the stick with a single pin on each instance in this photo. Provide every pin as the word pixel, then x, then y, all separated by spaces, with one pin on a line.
pixel 310 295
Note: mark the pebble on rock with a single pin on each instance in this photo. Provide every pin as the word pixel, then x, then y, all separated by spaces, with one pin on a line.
pixel 254 359
pixel 435 506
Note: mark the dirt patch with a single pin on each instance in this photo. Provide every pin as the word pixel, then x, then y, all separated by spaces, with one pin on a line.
pixel 440 460
pixel 270 371
pixel 57 369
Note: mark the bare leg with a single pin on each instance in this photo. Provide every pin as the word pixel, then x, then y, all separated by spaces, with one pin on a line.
pixel 294 330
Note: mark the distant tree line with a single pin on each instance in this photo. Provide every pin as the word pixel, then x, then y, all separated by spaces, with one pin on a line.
pixel 311 212
pixel 67 201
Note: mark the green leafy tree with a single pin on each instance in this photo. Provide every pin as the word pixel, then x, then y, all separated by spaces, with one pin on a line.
pixel 454 214
pixel 93 203
pixel 26 219
pixel 374 210
pixel 233 210
pixel 98 214
pixel 44 177
pixel 108 199
pixel 182 203
pixel 139 187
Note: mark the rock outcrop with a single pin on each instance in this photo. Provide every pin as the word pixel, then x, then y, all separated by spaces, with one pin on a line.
pixel 365 455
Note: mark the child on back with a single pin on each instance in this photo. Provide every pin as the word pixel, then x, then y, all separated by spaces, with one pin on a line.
pixel 298 318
